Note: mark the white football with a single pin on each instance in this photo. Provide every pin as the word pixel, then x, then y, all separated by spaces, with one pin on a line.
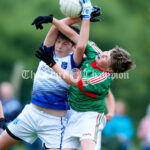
pixel 70 8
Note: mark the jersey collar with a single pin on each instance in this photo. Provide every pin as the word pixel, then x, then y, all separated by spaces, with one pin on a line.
pixel 93 64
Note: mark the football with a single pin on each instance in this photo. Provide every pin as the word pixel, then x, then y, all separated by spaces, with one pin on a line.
pixel 70 8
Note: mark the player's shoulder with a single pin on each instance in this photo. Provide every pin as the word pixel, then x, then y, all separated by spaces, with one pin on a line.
pixel 90 43
pixel 93 45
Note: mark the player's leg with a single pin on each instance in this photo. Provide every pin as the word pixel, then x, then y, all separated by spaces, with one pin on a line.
pixel 70 143
pixel 51 130
pixel 87 144
pixel 70 140
pixel 99 138
pixel 21 128
pixel 98 143
pixel 91 145
pixel 6 141
pixel 93 123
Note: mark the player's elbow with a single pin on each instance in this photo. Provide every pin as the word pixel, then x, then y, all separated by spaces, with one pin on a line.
pixel 81 47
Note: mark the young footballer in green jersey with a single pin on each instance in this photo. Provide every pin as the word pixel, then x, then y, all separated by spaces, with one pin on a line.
pixel 88 93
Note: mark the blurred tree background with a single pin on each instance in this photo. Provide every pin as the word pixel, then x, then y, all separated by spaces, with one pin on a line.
pixel 124 22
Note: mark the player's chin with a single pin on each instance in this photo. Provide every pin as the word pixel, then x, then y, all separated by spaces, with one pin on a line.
pixel 59 51
pixel 97 60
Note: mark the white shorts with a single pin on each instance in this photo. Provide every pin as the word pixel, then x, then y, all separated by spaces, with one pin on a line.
pixel 83 125
pixel 33 123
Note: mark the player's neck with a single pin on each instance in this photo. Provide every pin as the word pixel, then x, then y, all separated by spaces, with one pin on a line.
pixel 102 68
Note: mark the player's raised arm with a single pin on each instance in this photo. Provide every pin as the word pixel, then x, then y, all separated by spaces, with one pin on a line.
pixel 81 40
pixel 63 25
pixel 58 25
pixel 46 55
pixel 88 14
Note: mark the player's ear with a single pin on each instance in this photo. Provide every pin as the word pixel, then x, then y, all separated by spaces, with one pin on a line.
pixel 74 46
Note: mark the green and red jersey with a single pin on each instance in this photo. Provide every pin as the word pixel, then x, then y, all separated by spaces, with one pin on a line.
pixel 94 85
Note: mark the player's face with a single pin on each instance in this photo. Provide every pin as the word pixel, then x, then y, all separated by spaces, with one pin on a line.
pixel 63 47
pixel 104 61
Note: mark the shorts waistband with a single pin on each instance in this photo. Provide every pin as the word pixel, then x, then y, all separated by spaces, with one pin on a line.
pixel 53 112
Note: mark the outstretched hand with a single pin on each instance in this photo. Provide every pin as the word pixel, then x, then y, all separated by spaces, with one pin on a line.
pixel 42 20
pixel 95 14
pixel 89 11
pixel 86 9
pixel 46 55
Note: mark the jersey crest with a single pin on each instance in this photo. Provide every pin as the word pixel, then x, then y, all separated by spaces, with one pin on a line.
pixel 64 65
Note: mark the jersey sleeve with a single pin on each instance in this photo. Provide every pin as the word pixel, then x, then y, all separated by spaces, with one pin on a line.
pixel 92 50
pixel 73 64
pixel 96 86
pixel 49 48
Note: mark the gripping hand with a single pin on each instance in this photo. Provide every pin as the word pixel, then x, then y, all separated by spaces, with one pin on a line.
pixel 46 55
pixel 86 9
pixel 89 11
pixel 95 14
pixel 42 20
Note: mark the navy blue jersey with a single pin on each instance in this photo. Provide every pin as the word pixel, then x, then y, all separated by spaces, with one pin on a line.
pixel 49 90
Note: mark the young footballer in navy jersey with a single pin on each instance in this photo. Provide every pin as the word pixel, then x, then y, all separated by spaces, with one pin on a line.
pixel 44 117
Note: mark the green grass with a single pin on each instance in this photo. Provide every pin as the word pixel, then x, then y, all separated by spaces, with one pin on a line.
pixel 19 146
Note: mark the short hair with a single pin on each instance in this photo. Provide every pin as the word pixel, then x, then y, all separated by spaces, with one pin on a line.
pixel 75 27
pixel 120 60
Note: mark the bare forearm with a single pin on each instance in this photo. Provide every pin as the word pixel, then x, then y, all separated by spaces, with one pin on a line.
pixel 63 27
pixel 51 36
pixel 82 42
pixel 69 21
pixel 110 103
pixel 65 75
pixel 84 34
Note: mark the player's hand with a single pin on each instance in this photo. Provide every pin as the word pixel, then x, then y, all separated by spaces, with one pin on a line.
pixel 42 20
pixel 3 123
pixel 86 9
pixel 95 14
pixel 109 116
pixel 46 55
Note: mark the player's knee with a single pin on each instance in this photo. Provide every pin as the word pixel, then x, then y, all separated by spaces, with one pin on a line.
pixel 87 145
